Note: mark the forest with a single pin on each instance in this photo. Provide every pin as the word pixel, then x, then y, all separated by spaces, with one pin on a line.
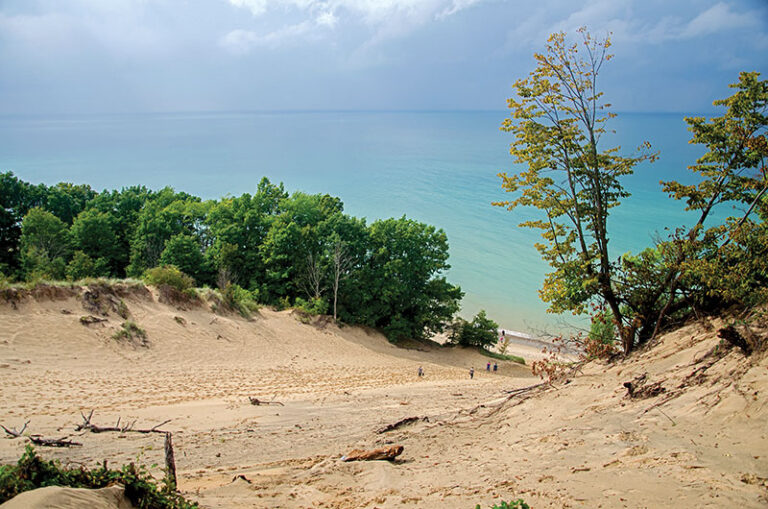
pixel 270 248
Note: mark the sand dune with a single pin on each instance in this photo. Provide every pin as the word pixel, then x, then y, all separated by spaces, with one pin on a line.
pixel 580 444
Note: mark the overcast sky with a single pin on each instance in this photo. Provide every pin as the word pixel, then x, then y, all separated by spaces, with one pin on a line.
pixel 101 56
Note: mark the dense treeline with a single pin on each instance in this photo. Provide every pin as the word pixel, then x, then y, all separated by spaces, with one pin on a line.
pixel 298 250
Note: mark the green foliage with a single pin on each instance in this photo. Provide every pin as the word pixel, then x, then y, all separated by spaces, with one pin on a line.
pixel 93 233
pixel 168 275
pixel 240 300
pixel 164 215
pixel 399 289
pixel 481 331
pixel 602 328
pixel 313 306
pixel 183 251
pixel 32 472
pixel 45 245
pixel 515 504
pixel 82 266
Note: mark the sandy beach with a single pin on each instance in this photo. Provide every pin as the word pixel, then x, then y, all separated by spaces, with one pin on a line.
pixel 579 443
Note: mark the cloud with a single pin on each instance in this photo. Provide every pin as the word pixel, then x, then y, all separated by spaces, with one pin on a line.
pixel 257 7
pixel 718 18
pixel 327 19
pixel 385 17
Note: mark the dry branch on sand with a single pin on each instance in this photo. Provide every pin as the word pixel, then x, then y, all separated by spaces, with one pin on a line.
pixel 87 425
pixel 638 388
pixel 402 422
pixel 261 402
pixel 13 433
pixel 53 442
pixel 39 439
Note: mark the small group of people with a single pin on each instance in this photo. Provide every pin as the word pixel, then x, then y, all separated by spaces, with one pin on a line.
pixel 487 368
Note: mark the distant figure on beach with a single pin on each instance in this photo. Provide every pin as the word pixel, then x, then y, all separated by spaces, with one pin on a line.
pixel 421 371
pixel 495 367
pixel 471 373
pixel 502 332
pixel 488 367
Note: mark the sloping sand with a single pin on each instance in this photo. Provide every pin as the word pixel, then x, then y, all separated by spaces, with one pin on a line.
pixel 580 444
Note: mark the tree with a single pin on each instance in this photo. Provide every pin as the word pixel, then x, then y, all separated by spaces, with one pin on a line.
pixel 93 233
pixel 558 119
pixel 400 289
pixel 342 261
pixel 45 245
pixel 726 263
pixel 183 251
pixel 16 198
pixel 481 331
pixel 238 227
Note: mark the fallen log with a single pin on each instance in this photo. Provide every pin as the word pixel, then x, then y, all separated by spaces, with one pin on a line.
pixel 383 453
pixel 401 422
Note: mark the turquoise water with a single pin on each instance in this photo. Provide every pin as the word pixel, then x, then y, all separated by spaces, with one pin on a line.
pixel 436 167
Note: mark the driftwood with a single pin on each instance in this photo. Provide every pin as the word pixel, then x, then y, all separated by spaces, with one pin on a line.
pixel 521 390
pixel 53 442
pixel 39 439
pixel 259 402
pixel 170 461
pixel 126 428
pixel 637 388
pixel 13 433
pixel 402 422
pixel 384 453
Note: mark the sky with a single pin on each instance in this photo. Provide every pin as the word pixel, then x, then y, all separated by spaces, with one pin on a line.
pixel 126 56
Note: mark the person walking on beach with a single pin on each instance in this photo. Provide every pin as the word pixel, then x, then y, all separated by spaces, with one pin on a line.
pixel 471 373
pixel 488 367
pixel 495 367
pixel 421 371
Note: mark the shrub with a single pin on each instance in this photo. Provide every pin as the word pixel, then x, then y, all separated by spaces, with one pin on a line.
pixel 314 306
pixel 515 504
pixel 236 298
pixel 130 330
pixel 32 472
pixel 168 275
pixel 83 266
